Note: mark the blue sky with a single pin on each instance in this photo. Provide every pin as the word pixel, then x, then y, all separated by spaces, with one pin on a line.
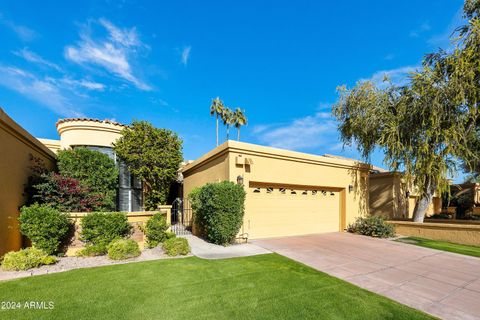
pixel 164 61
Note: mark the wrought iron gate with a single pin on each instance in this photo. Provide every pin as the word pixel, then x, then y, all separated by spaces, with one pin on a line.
pixel 181 217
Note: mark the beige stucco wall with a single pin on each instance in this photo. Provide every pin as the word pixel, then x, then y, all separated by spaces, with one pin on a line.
pixel 88 132
pixel 136 219
pixel 282 167
pixel 468 234
pixel 17 146
pixel 213 167
pixel 388 197
pixel 53 145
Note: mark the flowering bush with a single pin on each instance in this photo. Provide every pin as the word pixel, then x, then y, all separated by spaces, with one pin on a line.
pixel 64 194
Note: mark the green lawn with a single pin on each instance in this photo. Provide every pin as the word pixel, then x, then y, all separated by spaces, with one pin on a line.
pixel 260 287
pixel 443 245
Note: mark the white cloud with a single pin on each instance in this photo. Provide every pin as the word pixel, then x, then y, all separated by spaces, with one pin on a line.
pixel 398 76
pixel 389 56
pixel 113 54
pixel 24 33
pixel 83 83
pixel 185 55
pixel 424 27
pixel 31 56
pixel 42 91
pixel 319 130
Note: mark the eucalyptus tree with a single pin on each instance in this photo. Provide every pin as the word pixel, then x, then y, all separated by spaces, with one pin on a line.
pixel 216 109
pixel 239 120
pixel 228 119
pixel 426 125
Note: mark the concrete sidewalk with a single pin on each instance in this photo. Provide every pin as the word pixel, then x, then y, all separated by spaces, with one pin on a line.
pixel 444 284
pixel 205 250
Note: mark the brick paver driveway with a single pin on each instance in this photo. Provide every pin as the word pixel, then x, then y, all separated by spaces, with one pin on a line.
pixel 443 284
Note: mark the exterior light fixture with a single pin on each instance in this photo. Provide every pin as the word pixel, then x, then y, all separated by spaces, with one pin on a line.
pixel 350 188
pixel 407 194
pixel 240 180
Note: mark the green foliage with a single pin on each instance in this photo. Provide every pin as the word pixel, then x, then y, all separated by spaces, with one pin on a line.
pixel 101 228
pixel 239 120
pixel 64 193
pixel 373 226
pixel 94 170
pixel 45 226
pixel 26 259
pixel 92 250
pixel 219 209
pixel 156 230
pixel 422 126
pixel 154 156
pixel 176 246
pixel 122 249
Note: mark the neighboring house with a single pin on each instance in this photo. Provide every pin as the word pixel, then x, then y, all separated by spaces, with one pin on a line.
pixel 389 196
pixel 288 193
pixel 18 148
pixel 99 135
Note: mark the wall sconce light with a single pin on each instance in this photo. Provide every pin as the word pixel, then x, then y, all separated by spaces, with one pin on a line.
pixel 240 180
pixel 407 194
pixel 350 188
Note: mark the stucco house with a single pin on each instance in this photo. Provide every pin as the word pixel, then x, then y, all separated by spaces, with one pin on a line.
pixel 99 135
pixel 391 197
pixel 288 193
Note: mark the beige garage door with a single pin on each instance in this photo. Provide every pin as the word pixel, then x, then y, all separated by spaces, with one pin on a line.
pixel 282 211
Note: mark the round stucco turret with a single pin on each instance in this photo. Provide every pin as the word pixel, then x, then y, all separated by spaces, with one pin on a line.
pixel 88 132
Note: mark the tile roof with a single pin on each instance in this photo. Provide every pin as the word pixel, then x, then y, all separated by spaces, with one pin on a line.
pixel 90 119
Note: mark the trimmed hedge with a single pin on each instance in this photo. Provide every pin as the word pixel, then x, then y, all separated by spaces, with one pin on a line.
pixel 156 230
pixel 122 249
pixel 101 228
pixel 219 209
pixel 94 170
pixel 176 246
pixel 373 226
pixel 45 226
pixel 26 259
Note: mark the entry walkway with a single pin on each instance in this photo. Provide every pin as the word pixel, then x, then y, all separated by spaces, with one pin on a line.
pixel 205 250
pixel 444 284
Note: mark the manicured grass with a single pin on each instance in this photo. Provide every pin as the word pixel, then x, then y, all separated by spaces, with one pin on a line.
pixel 260 287
pixel 443 245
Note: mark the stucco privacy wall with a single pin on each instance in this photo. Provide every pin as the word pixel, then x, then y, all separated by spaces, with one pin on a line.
pixel 17 147
pixel 136 219
pixel 259 165
pixel 468 234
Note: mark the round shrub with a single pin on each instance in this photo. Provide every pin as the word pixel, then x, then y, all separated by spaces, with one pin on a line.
pixel 101 228
pixel 373 226
pixel 121 249
pixel 219 210
pixel 45 226
pixel 156 230
pixel 92 250
pixel 176 246
pixel 26 259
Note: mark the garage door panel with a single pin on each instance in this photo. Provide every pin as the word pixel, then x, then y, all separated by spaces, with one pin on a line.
pixel 276 213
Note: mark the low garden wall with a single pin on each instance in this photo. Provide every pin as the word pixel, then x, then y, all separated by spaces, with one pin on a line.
pixel 461 233
pixel 136 219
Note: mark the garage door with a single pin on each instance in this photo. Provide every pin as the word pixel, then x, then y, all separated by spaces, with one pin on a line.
pixel 283 211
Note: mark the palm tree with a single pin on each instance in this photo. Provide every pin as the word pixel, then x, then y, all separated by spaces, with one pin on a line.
pixel 239 120
pixel 228 119
pixel 216 109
